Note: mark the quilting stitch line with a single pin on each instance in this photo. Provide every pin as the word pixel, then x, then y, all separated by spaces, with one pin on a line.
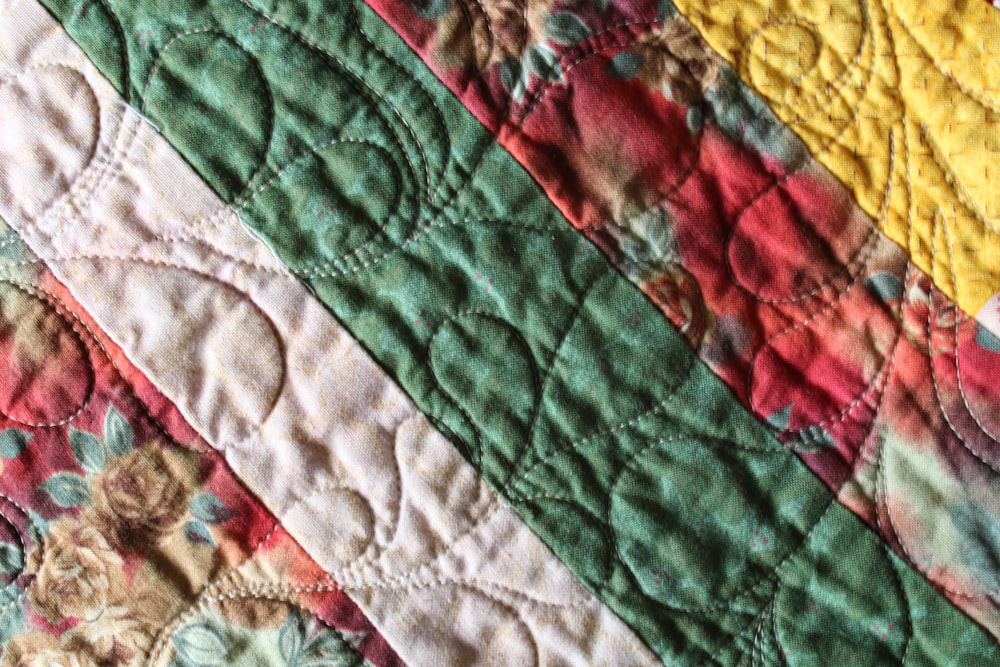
pixel 465 189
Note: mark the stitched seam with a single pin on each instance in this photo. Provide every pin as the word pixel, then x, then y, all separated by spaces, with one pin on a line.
pixel 444 136
pixel 541 386
pixel 20 538
pixel 839 84
pixel 354 81
pixel 937 389
pixel 52 300
pixel 576 444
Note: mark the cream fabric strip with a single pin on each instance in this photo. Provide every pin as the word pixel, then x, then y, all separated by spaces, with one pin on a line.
pixel 336 450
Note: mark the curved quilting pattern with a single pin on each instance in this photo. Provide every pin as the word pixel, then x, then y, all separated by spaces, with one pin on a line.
pixel 99 25
pixel 964 373
pixel 340 436
pixel 821 67
pixel 471 500
pixel 471 256
pixel 237 621
pixel 665 520
pixel 934 551
pixel 593 391
pixel 353 524
pixel 204 86
pixel 508 641
pixel 810 370
pixel 816 257
pixel 483 364
pixel 253 368
pixel 362 193
pixel 46 365
pixel 117 517
pixel 801 605
pixel 679 244
pixel 37 166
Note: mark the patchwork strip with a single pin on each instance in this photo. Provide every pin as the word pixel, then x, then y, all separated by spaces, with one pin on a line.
pixel 818 323
pixel 353 470
pixel 563 385
pixel 124 538
pixel 898 98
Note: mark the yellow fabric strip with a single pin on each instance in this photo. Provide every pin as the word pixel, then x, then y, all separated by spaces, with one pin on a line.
pixel 900 99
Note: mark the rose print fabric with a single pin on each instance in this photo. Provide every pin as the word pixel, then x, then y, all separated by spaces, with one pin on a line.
pixel 821 325
pixel 124 539
pixel 691 533
pixel 443 259
pixel 352 470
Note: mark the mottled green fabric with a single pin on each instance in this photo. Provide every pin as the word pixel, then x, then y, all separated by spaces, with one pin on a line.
pixel 572 395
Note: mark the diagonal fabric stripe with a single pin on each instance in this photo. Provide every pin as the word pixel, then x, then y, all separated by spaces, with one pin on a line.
pixel 885 92
pixel 816 321
pixel 351 468
pixel 463 280
pixel 136 536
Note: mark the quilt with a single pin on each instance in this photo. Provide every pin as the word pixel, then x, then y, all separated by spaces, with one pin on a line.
pixel 500 332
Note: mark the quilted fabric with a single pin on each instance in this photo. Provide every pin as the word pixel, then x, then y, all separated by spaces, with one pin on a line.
pixel 542 374
pixel 899 99
pixel 817 322
pixel 395 517
pixel 268 171
pixel 125 538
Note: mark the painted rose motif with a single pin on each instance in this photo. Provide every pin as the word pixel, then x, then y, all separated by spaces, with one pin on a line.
pixel 119 636
pixel 675 61
pixel 672 60
pixel 75 572
pixel 679 297
pixel 486 33
pixel 139 498
pixel 252 612
pixel 111 527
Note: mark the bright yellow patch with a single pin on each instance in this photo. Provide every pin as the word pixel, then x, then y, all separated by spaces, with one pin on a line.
pixel 898 98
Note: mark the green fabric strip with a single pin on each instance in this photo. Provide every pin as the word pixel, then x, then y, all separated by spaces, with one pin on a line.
pixel 572 395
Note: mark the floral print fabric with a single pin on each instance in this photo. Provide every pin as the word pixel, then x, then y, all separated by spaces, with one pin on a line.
pixel 820 325
pixel 344 460
pixel 125 540
pixel 441 255
pixel 689 454
pixel 862 84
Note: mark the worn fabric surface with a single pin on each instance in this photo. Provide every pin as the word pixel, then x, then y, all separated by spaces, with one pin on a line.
pixel 280 198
